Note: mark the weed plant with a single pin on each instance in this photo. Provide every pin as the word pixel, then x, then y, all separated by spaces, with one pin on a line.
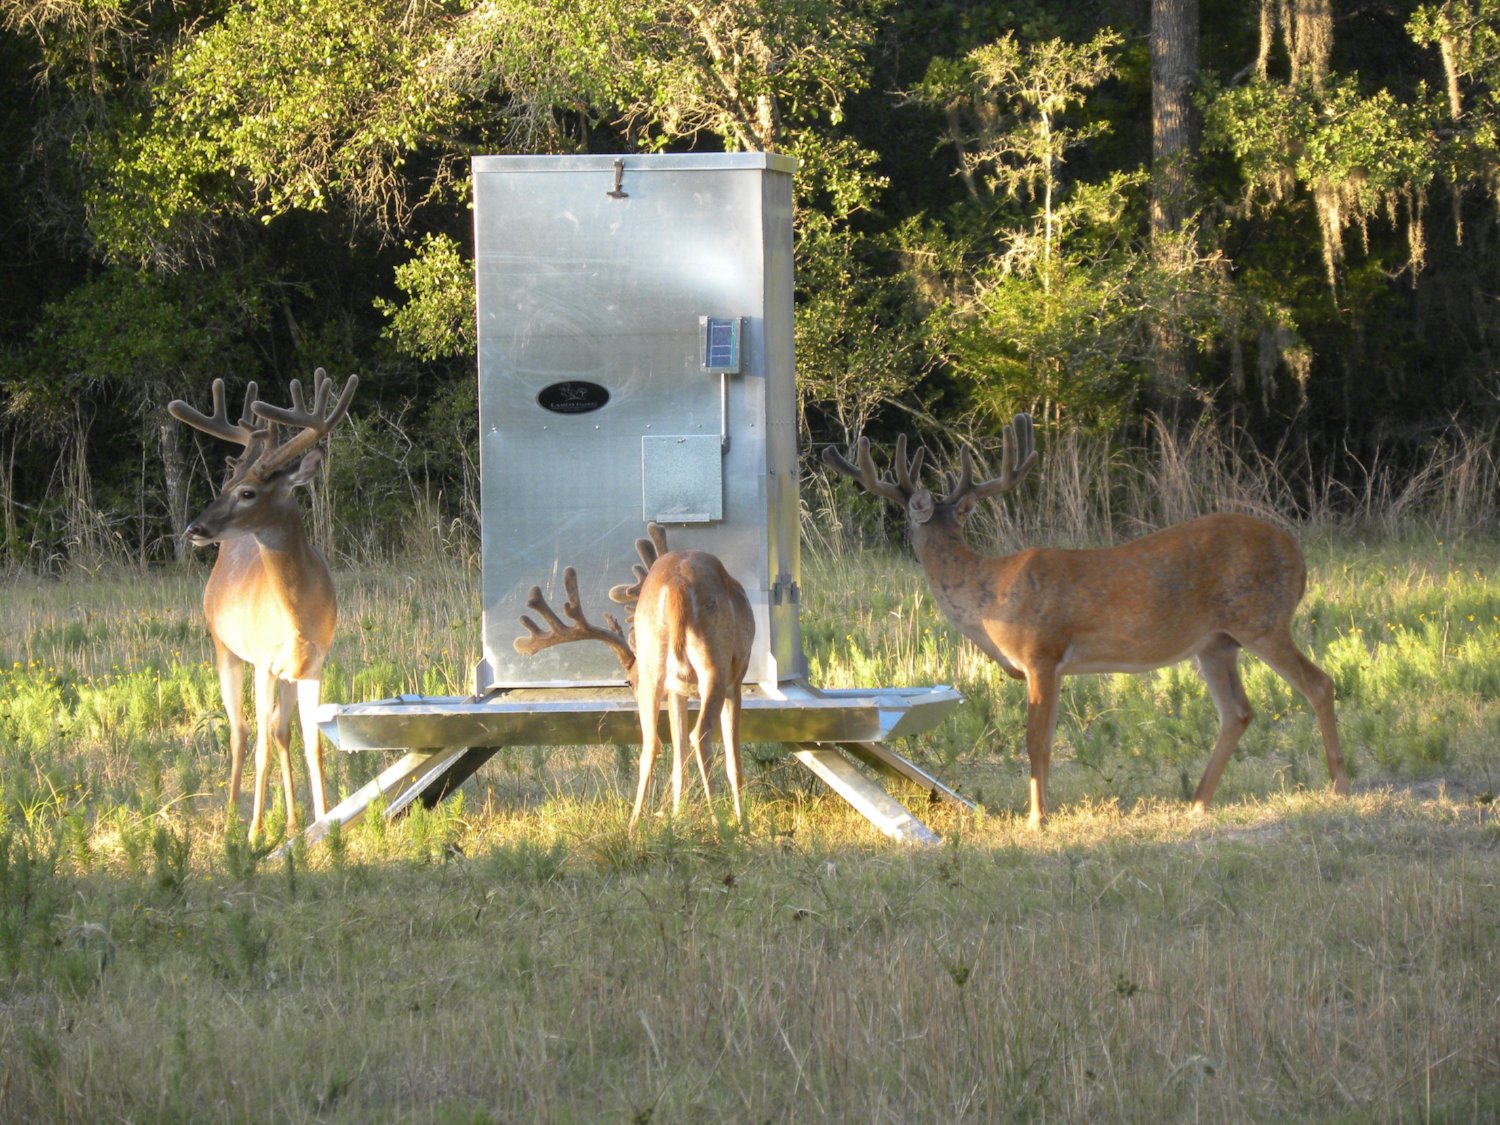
pixel 516 954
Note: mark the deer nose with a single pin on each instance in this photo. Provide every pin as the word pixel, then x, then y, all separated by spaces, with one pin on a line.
pixel 197 534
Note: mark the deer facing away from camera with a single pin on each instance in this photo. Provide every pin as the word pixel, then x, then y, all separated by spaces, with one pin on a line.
pixel 269 600
pixel 691 633
pixel 1205 589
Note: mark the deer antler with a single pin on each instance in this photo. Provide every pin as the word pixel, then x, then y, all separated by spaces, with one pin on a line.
pixel 315 422
pixel 244 432
pixel 561 633
pixel 649 550
pixel 1017 455
pixel 256 438
pixel 907 479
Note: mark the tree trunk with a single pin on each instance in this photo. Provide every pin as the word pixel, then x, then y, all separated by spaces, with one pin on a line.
pixel 1174 72
pixel 175 479
pixel 12 554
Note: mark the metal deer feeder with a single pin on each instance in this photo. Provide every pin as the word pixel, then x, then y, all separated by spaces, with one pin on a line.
pixel 635 364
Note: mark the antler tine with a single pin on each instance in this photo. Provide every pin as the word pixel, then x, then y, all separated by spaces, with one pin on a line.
pixel 247 413
pixel 908 474
pixel 899 490
pixel 649 549
pixel 561 633
pixel 628 593
pixel 314 423
pixel 1017 456
pixel 318 418
pixel 242 433
pixel 658 536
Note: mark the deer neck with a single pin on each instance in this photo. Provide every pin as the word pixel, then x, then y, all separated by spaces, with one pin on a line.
pixel 960 578
pixel 275 562
pixel 282 543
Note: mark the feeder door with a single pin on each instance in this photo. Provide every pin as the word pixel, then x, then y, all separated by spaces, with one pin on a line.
pixel 682 478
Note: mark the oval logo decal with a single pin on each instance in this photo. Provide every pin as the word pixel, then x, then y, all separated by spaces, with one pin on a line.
pixel 572 397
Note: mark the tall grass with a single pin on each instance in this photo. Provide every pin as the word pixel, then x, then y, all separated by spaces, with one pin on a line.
pixel 1088 489
pixel 518 955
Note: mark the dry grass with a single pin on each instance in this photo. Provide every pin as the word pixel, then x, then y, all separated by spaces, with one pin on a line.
pixel 517 955
pixel 1292 958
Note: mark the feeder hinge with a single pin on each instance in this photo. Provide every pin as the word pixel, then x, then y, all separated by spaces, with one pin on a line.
pixel 784 591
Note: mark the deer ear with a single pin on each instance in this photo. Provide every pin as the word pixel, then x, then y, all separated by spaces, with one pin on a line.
pixel 307 467
pixel 920 506
pixel 965 507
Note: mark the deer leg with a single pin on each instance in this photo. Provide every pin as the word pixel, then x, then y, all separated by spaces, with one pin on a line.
pixel 285 698
pixel 711 703
pixel 1219 665
pixel 308 694
pixel 1041 723
pixel 267 694
pixel 729 719
pixel 677 707
pixel 1316 686
pixel 648 703
pixel 232 689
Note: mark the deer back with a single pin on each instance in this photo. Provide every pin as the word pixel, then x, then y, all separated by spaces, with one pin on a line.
pixel 1141 604
pixel 692 617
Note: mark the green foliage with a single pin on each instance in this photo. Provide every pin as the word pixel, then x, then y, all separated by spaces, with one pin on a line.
pixel 860 346
pixel 1055 305
pixel 971 226
pixel 737 71
pixel 1023 146
pixel 281 105
pixel 128 335
pixel 1358 156
pixel 436 321
pixel 32 895
pixel 1467 32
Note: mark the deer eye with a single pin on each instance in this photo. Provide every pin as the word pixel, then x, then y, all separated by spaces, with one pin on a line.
pixel 247 494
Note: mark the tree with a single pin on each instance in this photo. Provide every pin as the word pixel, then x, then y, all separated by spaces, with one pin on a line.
pixel 1022 139
pixel 1174 74
pixel 1053 303
pixel 119 347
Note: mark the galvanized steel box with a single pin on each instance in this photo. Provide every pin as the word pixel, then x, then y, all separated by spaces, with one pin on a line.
pixel 635 363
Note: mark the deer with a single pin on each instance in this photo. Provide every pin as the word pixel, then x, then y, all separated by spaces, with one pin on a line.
pixel 691 632
pixel 1202 589
pixel 269 601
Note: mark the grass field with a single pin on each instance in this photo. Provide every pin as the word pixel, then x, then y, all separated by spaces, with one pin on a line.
pixel 515 955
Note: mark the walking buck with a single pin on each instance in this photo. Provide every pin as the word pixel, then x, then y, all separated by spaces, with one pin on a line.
pixel 692 630
pixel 1205 588
pixel 269 600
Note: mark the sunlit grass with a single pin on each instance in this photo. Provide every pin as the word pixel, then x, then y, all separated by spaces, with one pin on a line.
pixel 517 954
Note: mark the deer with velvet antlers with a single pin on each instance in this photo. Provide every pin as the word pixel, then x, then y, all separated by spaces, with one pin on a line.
pixel 269 601
pixel 1205 589
pixel 690 633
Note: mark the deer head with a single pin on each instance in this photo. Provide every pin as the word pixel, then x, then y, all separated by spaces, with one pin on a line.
pixel 257 492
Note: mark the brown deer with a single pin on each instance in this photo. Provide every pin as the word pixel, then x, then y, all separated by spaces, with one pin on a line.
pixel 269 599
pixel 692 632
pixel 1205 588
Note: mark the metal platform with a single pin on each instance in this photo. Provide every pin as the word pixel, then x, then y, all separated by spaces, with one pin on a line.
pixel 445 739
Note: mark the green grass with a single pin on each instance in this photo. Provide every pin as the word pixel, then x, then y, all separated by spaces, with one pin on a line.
pixel 517 955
